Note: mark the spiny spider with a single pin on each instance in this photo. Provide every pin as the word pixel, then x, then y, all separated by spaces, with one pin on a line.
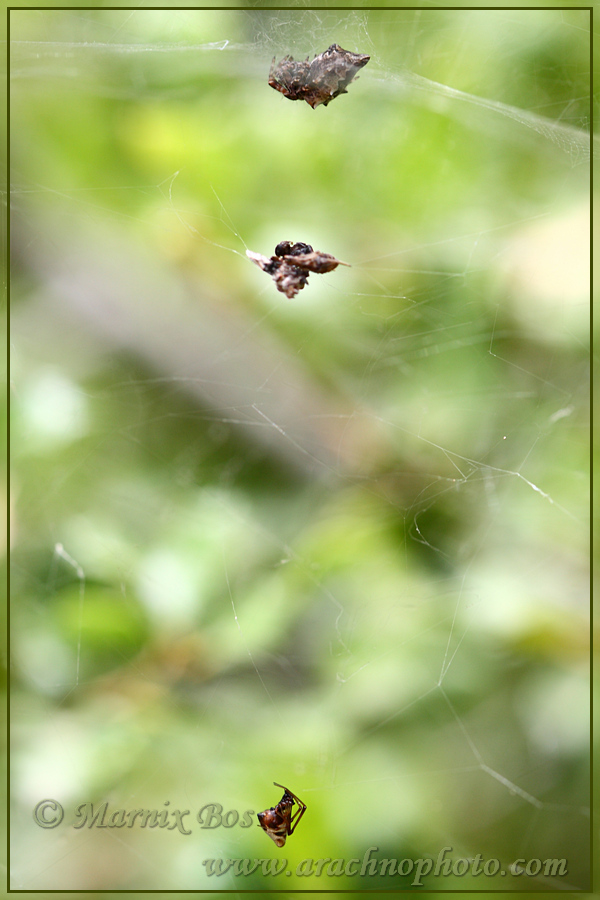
pixel 278 821
pixel 319 81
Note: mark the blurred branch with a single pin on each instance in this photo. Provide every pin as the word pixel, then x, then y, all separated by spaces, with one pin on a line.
pixel 127 300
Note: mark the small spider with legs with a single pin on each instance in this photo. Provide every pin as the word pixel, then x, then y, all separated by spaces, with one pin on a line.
pixel 278 821
pixel 293 263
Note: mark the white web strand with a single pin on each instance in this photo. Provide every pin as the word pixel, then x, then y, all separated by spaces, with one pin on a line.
pixel 61 553
pixel 513 788
pixel 248 651
pixel 571 140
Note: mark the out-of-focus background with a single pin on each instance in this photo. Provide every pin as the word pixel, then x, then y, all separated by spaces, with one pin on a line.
pixel 338 542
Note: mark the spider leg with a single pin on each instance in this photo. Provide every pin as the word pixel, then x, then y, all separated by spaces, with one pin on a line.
pixel 297 816
pixel 299 812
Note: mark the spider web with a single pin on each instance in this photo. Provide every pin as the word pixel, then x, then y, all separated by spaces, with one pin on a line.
pixel 338 543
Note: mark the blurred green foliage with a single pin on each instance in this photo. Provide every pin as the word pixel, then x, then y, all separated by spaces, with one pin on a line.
pixel 338 542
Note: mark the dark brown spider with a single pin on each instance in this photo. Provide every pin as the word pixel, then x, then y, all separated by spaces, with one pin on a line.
pixel 278 821
pixel 292 264
pixel 319 81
